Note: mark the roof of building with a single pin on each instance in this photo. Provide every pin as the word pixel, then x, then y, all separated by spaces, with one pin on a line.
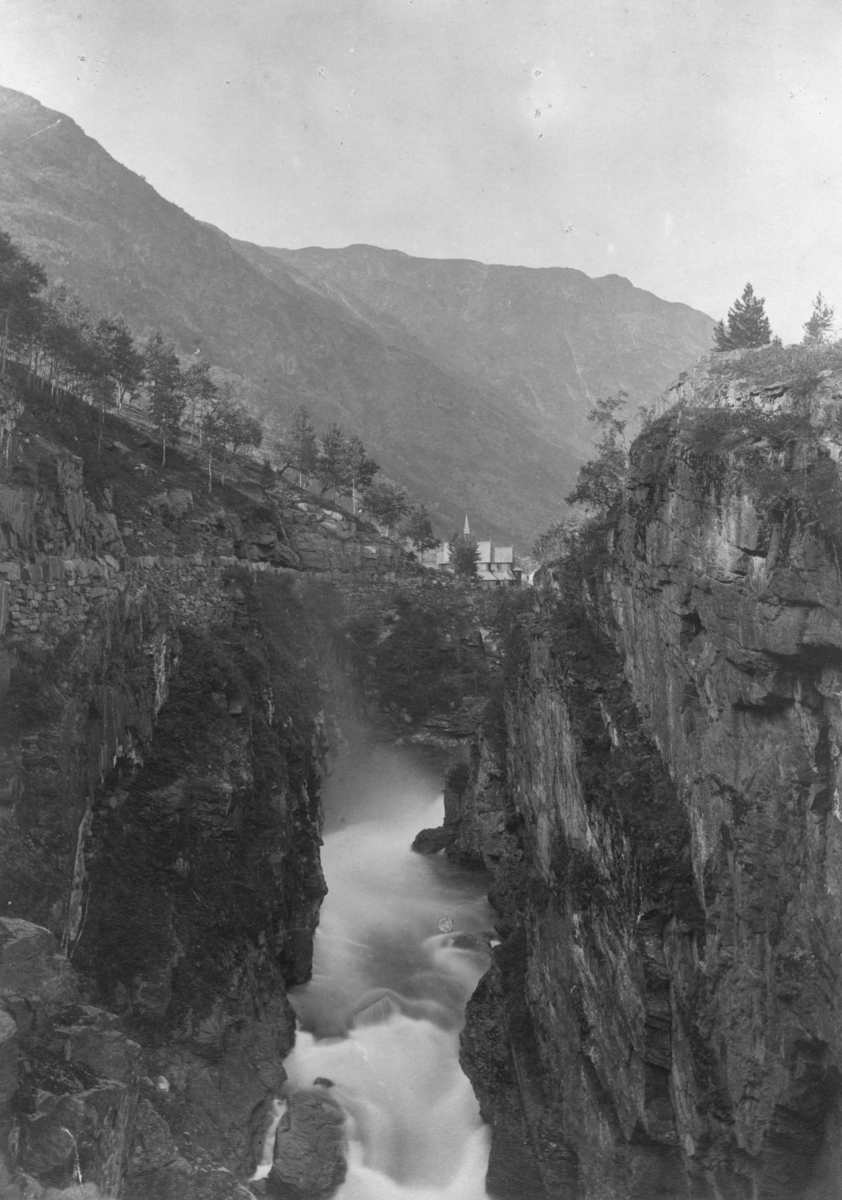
pixel 495 561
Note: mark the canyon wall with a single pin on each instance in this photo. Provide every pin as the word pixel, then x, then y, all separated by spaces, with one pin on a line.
pixel 170 682
pixel 653 789
pixel 659 807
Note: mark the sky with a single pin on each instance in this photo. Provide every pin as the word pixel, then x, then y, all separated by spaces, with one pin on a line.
pixel 691 147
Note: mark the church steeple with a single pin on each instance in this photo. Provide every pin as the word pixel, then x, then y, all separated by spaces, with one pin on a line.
pixel 467 529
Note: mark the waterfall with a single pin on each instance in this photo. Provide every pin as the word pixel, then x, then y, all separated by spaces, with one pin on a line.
pixel 401 944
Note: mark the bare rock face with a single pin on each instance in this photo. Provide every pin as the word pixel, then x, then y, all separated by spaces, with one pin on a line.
pixel 729 612
pixel 8 1072
pixel 665 835
pixel 159 788
pixel 32 971
pixel 430 841
pixel 67 1073
pixel 447 836
pixel 309 1158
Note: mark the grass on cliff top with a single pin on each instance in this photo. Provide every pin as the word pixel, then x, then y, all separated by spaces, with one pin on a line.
pixel 778 458
pixel 797 369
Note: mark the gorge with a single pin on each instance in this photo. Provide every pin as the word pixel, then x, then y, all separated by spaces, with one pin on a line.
pixel 650 794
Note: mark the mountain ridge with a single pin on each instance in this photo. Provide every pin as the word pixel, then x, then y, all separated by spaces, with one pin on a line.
pixel 471 416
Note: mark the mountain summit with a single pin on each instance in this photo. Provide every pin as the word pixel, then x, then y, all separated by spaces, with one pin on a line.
pixel 469 383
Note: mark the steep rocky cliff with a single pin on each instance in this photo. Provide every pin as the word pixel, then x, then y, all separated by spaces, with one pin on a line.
pixel 660 811
pixel 169 682
pixel 653 789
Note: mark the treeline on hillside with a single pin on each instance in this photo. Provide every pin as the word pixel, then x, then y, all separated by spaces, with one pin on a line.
pixel 51 332
pixel 339 462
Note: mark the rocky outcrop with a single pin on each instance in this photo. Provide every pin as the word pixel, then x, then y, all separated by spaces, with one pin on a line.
pixel 663 828
pixel 67 1093
pixel 309 1160
pixel 589 853
pixel 728 601
pixel 185 883
pixel 430 841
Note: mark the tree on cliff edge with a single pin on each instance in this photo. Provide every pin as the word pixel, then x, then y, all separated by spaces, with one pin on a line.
pixel 748 326
pixel 819 328
pixel 600 480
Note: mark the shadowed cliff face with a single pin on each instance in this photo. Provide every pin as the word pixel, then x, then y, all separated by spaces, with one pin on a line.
pixel 728 600
pixel 172 664
pixel 663 1017
pixel 164 721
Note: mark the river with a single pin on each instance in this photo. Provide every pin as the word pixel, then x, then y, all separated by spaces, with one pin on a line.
pixel 401 944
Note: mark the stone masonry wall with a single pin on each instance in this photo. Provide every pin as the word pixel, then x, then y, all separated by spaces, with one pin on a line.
pixel 54 596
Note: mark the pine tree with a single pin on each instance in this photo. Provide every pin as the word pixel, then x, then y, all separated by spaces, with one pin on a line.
pixel 819 328
pixel 164 383
pixel 332 463
pixel 748 326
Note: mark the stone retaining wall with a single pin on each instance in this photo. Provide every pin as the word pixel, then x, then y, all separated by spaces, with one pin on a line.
pixel 363 596
pixel 54 596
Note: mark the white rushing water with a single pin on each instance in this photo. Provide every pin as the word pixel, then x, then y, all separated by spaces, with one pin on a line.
pixel 382 1014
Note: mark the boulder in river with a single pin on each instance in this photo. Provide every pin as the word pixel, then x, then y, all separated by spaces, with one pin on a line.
pixel 430 841
pixel 309 1148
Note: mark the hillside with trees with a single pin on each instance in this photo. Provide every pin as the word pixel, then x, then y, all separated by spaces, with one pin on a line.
pixel 50 333
pixel 468 384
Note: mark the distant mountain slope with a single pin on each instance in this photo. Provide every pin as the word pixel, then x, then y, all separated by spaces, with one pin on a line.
pixel 468 383
pixel 546 337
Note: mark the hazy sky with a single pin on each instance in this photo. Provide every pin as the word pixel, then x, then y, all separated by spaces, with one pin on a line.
pixel 688 146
